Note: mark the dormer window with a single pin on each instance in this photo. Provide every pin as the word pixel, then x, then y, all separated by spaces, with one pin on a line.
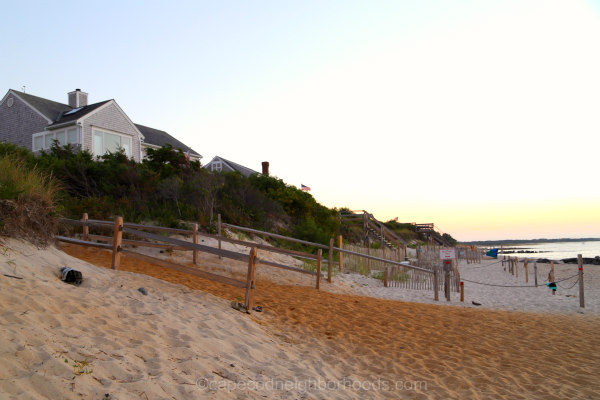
pixel 216 166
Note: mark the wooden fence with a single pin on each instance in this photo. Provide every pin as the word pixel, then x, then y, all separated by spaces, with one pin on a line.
pixel 116 243
pixel 365 260
pixel 359 264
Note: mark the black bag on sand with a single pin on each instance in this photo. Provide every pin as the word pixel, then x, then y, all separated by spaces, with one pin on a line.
pixel 69 275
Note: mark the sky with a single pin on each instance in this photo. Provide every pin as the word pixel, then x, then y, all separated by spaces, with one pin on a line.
pixel 481 116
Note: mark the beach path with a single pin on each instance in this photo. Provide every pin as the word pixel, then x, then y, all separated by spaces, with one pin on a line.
pixel 417 350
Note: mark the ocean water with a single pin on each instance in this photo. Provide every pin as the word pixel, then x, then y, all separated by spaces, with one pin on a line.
pixel 555 250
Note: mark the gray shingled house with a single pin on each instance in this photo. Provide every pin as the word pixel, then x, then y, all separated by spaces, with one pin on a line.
pixel 34 123
pixel 219 164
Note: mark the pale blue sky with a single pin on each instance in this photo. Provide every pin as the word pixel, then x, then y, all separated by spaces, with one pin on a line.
pixel 473 115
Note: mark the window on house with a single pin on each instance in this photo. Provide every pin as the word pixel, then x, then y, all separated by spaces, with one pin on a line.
pixel 38 143
pixel 48 138
pixel 72 136
pixel 62 138
pixel 105 142
pixel 44 140
pixel 216 166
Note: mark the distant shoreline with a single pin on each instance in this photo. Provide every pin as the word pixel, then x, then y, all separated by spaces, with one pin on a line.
pixel 505 242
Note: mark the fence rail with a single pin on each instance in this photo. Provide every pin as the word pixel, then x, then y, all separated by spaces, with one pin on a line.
pixel 116 242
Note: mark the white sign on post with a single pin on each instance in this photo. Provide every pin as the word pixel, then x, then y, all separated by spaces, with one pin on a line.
pixel 447 254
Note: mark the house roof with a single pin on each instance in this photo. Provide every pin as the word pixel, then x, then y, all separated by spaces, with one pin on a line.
pixel 75 113
pixel 59 114
pixel 50 109
pixel 160 138
pixel 235 166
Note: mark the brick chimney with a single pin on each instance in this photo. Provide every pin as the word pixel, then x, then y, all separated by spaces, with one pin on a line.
pixel 265 168
pixel 78 98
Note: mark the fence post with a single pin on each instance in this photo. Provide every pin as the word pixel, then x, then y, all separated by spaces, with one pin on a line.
pixel 86 229
pixel 385 277
pixel 581 297
pixel 219 232
pixel 535 273
pixel 436 297
pixel 340 244
pixel 526 272
pixel 195 237
pixel 250 280
pixel 382 242
pixel 368 253
pixel 517 266
pixel 512 265
pixel 462 292
pixel 330 260
pixel 447 283
pixel 319 255
pixel 117 239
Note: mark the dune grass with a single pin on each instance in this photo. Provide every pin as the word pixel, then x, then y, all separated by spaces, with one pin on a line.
pixel 27 201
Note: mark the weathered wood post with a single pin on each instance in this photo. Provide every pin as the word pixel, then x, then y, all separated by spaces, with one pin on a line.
pixel 195 239
pixel 382 242
pixel 517 266
pixel 340 246
pixel 250 280
pixel 219 232
pixel 368 253
pixel 447 268
pixel 581 297
pixel 535 273
pixel 86 228
pixel 330 260
pixel 385 277
pixel 117 240
pixel 319 256
pixel 436 297
pixel 462 292
pixel 512 265
pixel 526 272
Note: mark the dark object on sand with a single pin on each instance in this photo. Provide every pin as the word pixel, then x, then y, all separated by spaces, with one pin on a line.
pixel 12 276
pixel 70 275
pixel 257 308
pixel 475 303
pixel 143 291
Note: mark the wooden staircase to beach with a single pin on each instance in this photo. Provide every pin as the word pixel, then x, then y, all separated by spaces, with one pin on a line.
pixel 431 233
pixel 373 229
pixel 376 230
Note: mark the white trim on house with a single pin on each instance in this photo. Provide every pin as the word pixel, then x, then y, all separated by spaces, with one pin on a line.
pixel 54 134
pixel 112 101
pixel 26 103
pixel 61 126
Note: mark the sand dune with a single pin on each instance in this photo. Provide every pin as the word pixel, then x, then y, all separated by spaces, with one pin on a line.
pixel 181 340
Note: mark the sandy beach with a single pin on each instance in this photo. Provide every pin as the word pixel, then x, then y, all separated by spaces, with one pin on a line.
pixel 352 339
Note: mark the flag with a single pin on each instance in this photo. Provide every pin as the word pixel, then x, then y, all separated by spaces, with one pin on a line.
pixel 492 253
pixel 305 188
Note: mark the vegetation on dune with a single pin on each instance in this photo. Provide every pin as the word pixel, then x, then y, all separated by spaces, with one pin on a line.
pixel 167 188
pixel 27 198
